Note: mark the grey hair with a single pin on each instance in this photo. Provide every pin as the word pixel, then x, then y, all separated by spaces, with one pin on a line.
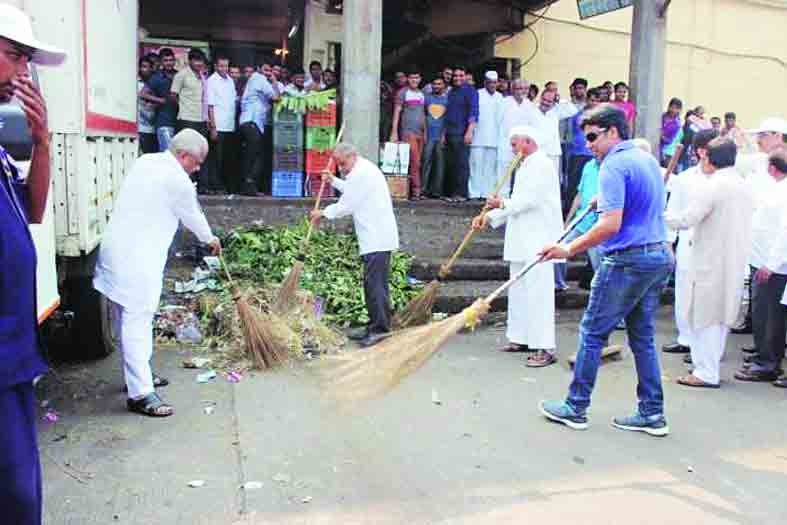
pixel 189 141
pixel 344 149
pixel 518 81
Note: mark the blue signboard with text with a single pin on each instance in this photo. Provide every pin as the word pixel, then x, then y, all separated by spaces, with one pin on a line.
pixel 589 8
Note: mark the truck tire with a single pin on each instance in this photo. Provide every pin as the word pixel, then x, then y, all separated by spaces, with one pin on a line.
pixel 93 331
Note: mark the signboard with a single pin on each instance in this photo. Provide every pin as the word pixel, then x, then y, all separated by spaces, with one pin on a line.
pixel 590 8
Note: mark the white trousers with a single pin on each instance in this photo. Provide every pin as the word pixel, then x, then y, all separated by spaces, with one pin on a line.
pixel 556 163
pixel 681 310
pixel 483 172
pixel 707 348
pixel 531 307
pixel 136 343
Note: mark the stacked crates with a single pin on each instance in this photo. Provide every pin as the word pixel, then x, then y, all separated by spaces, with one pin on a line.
pixel 320 140
pixel 287 177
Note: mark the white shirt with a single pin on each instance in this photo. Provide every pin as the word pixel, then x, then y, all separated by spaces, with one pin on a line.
pixel 768 234
pixel 548 124
pixel 365 196
pixel 155 196
pixel 513 113
pixel 223 97
pixel 487 129
pixel 309 83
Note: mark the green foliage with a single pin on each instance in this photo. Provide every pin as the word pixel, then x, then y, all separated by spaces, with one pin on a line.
pixel 332 269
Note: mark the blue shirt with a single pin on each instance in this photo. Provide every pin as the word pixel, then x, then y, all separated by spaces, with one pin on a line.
pixel 167 113
pixel 462 109
pixel 20 359
pixel 587 190
pixel 436 107
pixel 631 180
pixel 579 144
pixel 256 101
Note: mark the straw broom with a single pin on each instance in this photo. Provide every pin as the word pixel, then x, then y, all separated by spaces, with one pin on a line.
pixel 264 348
pixel 419 310
pixel 377 370
pixel 289 287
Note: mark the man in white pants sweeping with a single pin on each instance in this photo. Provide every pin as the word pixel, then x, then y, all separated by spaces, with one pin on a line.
pixel 156 195
pixel 533 218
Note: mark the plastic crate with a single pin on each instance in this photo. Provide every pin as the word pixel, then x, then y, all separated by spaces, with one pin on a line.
pixel 317 161
pixel 288 160
pixel 398 186
pixel 313 182
pixel 326 117
pixel 285 116
pixel 320 138
pixel 287 184
pixel 288 136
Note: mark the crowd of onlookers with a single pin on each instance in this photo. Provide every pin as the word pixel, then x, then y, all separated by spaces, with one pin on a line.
pixel 230 104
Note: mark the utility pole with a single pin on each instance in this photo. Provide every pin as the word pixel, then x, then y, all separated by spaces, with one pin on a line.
pixel 646 71
pixel 361 62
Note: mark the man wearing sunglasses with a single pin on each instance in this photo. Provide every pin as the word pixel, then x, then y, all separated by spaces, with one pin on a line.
pixel 636 264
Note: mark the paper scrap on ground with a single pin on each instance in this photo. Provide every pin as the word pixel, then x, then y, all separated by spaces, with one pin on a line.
pixel 197 483
pixel 252 485
pixel 205 377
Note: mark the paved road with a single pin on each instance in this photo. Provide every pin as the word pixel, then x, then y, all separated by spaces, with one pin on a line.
pixel 484 455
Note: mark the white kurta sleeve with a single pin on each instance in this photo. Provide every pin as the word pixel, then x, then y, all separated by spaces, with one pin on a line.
pixel 700 207
pixel 776 258
pixel 529 190
pixel 353 194
pixel 566 110
pixel 339 184
pixel 188 210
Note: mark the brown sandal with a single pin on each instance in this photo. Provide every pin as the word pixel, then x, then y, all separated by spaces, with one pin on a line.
pixel 541 359
pixel 513 348
pixel 694 381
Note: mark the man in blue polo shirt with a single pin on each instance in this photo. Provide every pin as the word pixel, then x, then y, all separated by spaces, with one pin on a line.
pixel 636 264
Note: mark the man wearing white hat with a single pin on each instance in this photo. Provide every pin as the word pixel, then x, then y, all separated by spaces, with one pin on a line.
pixel 533 218
pixel 483 151
pixel 22 202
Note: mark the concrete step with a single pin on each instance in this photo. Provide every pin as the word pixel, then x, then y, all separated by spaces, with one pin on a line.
pixel 454 296
pixel 466 269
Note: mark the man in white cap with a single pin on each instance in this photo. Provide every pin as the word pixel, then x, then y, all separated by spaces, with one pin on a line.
pixel 533 218
pixel 22 202
pixel 483 151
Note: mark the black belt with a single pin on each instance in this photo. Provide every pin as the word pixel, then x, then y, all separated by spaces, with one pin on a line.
pixel 641 248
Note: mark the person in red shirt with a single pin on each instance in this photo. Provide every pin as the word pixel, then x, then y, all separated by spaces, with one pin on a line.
pixel 621 101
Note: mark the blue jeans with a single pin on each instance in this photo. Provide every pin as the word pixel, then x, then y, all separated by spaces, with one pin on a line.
pixel 164 135
pixel 626 286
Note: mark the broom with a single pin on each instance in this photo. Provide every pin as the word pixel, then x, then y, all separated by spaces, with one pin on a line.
pixel 673 162
pixel 289 287
pixel 419 309
pixel 264 348
pixel 377 370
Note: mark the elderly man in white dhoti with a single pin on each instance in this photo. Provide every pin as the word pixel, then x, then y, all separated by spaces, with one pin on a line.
pixel 156 195
pixel 533 218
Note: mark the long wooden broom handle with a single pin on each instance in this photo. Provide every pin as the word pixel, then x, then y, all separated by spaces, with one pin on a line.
pixel 505 286
pixel 328 168
pixel 446 267
pixel 673 162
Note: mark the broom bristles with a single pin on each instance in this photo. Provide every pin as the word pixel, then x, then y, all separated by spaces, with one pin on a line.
pixel 419 310
pixel 263 346
pixel 376 371
pixel 289 288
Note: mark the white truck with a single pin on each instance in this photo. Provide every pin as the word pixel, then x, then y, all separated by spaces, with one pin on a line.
pixel 92 103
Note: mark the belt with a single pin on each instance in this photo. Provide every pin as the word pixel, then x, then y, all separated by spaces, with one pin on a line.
pixel 641 248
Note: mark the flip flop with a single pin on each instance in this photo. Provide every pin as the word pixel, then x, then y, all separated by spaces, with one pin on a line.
pixel 541 359
pixel 693 381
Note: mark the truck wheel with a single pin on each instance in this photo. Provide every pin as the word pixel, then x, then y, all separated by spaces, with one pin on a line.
pixel 93 332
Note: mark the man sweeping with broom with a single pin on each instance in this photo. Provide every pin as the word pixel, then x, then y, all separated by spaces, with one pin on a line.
pixel 533 218
pixel 365 196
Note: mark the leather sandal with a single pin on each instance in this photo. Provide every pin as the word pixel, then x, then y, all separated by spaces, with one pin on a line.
pixel 694 381
pixel 513 348
pixel 150 405
pixel 541 359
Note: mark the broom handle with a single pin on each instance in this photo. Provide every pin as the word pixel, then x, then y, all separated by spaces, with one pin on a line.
pixel 226 270
pixel 673 162
pixel 446 267
pixel 505 286
pixel 322 187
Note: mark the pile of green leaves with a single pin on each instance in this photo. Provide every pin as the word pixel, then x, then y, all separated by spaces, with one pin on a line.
pixel 333 271
pixel 315 101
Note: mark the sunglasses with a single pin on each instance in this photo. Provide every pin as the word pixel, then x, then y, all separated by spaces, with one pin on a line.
pixel 593 135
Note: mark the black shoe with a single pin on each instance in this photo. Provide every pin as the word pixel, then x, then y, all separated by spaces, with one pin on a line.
pixel 675 348
pixel 687 359
pixel 781 382
pixel 759 376
pixel 358 334
pixel 745 330
pixel 749 349
pixel 374 338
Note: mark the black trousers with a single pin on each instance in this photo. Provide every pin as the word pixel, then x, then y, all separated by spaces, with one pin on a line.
pixel 576 163
pixel 376 273
pixel 457 153
pixel 433 169
pixel 148 143
pixel 203 175
pixel 768 320
pixel 220 153
pixel 252 164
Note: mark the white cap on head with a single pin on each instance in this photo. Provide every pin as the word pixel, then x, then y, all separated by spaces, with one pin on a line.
pixel 775 124
pixel 491 75
pixel 525 131
pixel 15 25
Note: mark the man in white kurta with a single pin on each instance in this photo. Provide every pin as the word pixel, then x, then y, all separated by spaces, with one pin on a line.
pixel 533 217
pixel 721 217
pixel 550 113
pixel 516 110
pixel 483 151
pixel 156 195
pixel 366 197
